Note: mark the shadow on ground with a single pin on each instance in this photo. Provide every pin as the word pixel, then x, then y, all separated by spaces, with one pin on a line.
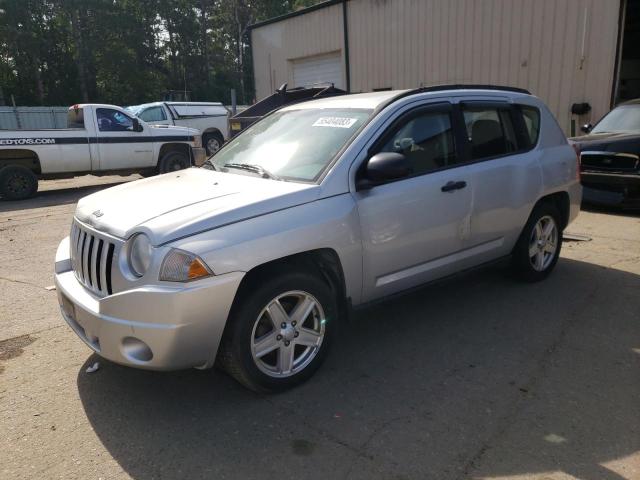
pixel 60 196
pixel 480 376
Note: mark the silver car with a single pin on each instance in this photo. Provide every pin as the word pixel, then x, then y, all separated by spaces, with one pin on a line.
pixel 251 261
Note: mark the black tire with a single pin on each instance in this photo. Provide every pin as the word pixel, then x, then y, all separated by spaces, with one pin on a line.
pixel 523 261
pixel 17 183
pixel 174 161
pixel 212 142
pixel 235 353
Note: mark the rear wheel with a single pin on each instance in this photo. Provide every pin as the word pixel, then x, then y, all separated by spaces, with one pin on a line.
pixel 173 161
pixel 17 183
pixel 538 247
pixel 212 142
pixel 278 333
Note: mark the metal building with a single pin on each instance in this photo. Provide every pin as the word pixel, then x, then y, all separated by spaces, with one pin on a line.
pixel 565 51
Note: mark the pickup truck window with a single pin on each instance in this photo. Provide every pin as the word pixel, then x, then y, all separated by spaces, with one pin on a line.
pixel 75 118
pixel 293 144
pixel 153 114
pixel 110 120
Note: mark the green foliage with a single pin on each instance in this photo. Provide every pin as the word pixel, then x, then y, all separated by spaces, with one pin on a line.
pixel 59 52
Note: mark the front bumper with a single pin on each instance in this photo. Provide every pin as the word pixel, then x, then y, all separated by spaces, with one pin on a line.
pixel 199 155
pixel 613 189
pixel 158 327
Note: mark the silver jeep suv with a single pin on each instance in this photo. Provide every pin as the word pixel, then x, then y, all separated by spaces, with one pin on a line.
pixel 251 261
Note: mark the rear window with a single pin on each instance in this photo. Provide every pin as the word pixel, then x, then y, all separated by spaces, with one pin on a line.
pixel 531 118
pixel 75 118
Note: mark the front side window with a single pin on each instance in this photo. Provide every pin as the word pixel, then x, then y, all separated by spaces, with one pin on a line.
pixel 293 144
pixel 623 119
pixel 426 140
pixel 110 120
pixel 490 131
pixel 153 114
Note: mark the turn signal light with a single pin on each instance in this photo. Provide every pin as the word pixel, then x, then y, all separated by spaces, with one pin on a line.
pixel 181 266
pixel 197 270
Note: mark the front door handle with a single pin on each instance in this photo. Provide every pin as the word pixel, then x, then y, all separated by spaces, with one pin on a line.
pixel 451 186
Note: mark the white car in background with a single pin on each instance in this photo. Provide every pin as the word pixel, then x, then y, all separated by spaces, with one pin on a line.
pixel 99 140
pixel 211 118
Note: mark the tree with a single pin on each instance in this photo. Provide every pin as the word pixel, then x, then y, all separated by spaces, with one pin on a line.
pixel 58 52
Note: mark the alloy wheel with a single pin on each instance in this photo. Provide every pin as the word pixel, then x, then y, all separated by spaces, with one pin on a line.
pixel 543 243
pixel 287 334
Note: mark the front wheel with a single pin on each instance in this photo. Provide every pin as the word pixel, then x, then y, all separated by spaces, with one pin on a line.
pixel 17 183
pixel 278 333
pixel 173 161
pixel 212 142
pixel 538 247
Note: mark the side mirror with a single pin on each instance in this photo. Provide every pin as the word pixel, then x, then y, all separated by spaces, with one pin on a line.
pixel 586 128
pixel 136 125
pixel 384 167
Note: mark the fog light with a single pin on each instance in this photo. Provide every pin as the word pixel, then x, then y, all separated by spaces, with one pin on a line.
pixel 136 350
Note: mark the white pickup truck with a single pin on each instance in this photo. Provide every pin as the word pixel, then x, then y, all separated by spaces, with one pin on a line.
pixel 99 140
pixel 211 118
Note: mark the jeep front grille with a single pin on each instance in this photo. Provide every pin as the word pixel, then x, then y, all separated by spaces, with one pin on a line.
pixel 92 259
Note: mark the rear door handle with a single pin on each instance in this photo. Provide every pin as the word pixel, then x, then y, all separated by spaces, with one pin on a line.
pixel 451 186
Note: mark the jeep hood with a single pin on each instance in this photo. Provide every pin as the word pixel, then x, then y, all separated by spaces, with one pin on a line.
pixel 179 204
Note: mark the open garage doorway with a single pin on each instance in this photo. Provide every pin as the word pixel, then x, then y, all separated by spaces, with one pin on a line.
pixel 627 85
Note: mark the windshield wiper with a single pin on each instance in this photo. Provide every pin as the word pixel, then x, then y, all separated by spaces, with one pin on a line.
pixel 253 168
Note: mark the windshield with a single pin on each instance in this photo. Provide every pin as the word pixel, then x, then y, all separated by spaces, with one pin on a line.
pixel 134 109
pixel 620 119
pixel 294 144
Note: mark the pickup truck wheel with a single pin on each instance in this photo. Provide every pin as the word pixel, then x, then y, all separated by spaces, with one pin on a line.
pixel 17 183
pixel 212 142
pixel 538 247
pixel 279 333
pixel 173 161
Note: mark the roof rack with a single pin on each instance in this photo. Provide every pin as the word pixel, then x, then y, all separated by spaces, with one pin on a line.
pixel 457 86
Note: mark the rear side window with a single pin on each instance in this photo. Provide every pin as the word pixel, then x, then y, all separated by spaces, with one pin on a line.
pixel 490 131
pixel 531 118
pixel 75 118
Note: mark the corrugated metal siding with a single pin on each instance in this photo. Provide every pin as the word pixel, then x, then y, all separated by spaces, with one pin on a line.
pixel 534 44
pixel 276 45
pixel 28 118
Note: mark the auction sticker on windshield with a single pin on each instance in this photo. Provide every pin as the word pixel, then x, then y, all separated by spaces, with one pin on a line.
pixel 335 122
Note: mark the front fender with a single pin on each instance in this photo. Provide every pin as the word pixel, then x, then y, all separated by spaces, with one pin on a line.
pixel 329 223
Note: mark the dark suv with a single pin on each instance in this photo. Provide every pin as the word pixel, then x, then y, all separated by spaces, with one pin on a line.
pixel 610 157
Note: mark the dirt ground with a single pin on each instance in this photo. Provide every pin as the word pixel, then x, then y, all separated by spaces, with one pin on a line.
pixel 478 377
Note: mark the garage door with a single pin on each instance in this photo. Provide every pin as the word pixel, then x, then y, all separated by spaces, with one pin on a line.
pixel 318 69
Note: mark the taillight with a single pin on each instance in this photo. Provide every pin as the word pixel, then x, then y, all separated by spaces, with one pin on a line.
pixel 576 148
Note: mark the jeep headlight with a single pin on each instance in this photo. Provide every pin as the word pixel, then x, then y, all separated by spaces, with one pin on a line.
pixel 140 252
pixel 181 266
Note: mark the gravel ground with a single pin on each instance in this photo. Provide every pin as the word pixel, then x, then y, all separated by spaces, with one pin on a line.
pixel 478 377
